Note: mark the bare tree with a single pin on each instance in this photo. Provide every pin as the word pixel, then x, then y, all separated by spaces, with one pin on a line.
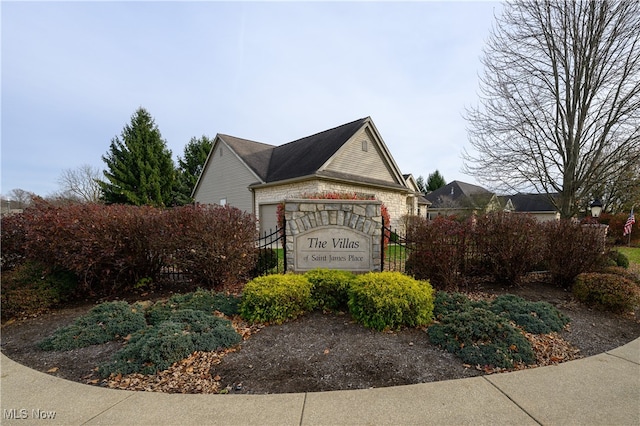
pixel 81 183
pixel 559 110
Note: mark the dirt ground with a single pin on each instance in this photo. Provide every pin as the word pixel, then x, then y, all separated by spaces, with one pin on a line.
pixel 319 352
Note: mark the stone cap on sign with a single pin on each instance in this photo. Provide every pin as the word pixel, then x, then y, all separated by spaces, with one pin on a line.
pixel 333 233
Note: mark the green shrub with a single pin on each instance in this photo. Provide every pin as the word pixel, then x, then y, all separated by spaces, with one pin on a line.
pixel 31 288
pixel 156 348
pixel 446 302
pixel 480 337
pixel 382 300
pixel 619 258
pixel 608 292
pixel 276 298
pixel 533 317
pixel 200 300
pixel 101 324
pixel 330 288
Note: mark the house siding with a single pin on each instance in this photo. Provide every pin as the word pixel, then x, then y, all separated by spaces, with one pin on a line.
pixel 353 159
pixel 226 177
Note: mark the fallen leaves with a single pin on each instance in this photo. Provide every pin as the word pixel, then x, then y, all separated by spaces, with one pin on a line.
pixel 193 374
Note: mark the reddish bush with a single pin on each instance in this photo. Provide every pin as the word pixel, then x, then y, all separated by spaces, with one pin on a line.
pixel 610 292
pixel 616 227
pixel 211 244
pixel 571 249
pixel 507 246
pixel 12 240
pixel 439 250
pixel 107 247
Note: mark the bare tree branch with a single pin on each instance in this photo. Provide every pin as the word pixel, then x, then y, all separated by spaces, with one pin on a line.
pixel 559 108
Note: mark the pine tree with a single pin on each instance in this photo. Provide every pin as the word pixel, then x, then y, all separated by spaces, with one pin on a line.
pixel 435 181
pixel 139 168
pixel 190 167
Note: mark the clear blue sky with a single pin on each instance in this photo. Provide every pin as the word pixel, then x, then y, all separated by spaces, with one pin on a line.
pixel 73 73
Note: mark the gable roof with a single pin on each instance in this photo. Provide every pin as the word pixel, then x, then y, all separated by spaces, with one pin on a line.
pixel 256 155
pixel 461 193
pixel 531 202
pixel 305 157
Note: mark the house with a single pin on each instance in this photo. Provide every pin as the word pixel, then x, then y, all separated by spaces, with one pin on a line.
pixel 538 205
pixel 353 158
pixel 461 198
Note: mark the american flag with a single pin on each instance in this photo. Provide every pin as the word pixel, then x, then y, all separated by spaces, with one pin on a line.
pixel 629 224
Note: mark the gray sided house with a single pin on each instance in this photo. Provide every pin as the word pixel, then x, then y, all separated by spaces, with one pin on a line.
pixel 353 158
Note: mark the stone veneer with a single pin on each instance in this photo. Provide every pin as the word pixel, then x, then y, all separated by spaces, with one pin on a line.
pixel 359 219
pixel 395 201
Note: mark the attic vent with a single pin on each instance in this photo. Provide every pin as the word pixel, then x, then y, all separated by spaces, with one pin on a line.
pixel 220 151
pixel 452 190
pixel 365 146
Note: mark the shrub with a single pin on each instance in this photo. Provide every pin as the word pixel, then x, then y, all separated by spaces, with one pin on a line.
pixel 158 347
pixel 609 292
pixel 571 249
pixel 108 247
pixel 382 300
pixel 30 288
pixel 480 337
pixel 213 245
pixel 507 246
pixel 12 240
pixel 619 258
pixel 200 300
pixel 330 288
pixel 439 251
pixel 276 298
pixel 446 303
pixel 533 317
pixel 101 324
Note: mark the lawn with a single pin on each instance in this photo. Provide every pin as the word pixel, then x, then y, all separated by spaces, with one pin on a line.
pixel 633 253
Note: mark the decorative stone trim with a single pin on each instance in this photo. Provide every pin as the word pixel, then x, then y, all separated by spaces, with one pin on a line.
pixel 334 234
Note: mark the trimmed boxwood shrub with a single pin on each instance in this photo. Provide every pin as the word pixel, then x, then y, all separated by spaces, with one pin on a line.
pixel 101 324
pixel 480 337
pixel 608 292
pixel 330 288
pixel 390 300
pixel 276 298
pixel 156 348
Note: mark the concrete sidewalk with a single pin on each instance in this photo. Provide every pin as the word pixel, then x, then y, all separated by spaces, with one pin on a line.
pixel 599 390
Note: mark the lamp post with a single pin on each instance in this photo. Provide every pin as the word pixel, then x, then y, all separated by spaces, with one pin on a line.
pixel 596 208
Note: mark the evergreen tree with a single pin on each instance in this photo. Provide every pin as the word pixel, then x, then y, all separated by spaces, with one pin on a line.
pixel 422 186
pixel 139 168
pixel 435 181
pixel 190 167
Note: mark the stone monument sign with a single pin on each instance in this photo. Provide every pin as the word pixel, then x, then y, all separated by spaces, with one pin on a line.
pixel 333 234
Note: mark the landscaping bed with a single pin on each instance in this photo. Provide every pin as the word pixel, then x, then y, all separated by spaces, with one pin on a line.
pixel 317 351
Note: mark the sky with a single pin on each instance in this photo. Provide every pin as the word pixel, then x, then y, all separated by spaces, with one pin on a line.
pixel 74 73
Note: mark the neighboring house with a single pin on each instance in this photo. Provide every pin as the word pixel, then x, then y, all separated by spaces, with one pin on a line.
pixel 353 158
pixel 460 198
pixel 538 205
